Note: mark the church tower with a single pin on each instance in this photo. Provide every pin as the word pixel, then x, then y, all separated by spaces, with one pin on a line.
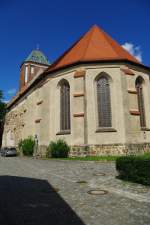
pixel 34 65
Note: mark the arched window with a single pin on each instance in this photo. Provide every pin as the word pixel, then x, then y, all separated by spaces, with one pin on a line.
pixel 64 105
pixel 139 88
pixel 103 101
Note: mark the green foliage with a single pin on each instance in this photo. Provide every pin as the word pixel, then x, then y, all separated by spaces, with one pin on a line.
pixel 1 95
pixel 58 149
pixel 2 111
pixel 93 158
pixel 20 145
pixel 2 107
pixel 134 168
pixel 27 146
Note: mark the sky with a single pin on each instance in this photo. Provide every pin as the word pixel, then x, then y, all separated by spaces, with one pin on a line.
pixel 55 25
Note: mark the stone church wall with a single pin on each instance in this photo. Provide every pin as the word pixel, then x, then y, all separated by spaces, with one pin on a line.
pixel 39 113
pixel 110 149
pixel 117 132
pixel 134 132
pixel 14 123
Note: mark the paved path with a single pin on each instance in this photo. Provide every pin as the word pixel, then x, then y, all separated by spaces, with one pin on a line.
pixel 54 192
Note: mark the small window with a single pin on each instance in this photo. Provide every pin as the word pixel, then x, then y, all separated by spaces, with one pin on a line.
pixel 26 74
pixel 32 69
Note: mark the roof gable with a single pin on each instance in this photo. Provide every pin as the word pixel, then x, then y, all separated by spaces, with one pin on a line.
pixel 95 45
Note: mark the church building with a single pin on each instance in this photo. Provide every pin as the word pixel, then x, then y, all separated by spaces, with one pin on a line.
pixel 96 96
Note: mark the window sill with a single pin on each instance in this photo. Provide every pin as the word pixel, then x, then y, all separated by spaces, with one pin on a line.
pixel 64 132
pixel 105 129
pixel 145 129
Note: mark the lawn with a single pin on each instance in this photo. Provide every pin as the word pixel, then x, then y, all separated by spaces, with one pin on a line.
pixel 90 158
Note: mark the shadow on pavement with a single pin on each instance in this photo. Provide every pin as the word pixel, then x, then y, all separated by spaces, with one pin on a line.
pixel 27 201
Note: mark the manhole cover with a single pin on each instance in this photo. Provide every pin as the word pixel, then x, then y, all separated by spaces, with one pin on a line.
pixel 99 174
pixel 97 192
pixel 82 182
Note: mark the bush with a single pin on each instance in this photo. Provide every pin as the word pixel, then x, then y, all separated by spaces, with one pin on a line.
pixel 134 168
pixel 27 146
pixel 58 149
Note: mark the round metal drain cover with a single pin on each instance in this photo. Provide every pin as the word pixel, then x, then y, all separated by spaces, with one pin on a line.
pixel 99 174
pixel 82 182
pixel 97 192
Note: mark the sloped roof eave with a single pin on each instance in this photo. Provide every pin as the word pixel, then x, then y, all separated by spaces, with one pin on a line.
pixel 45 73
pixel 42 64
pixel 51 70
pixel 95 45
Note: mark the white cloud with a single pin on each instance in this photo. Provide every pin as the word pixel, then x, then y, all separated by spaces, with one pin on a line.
pixel 133 50
pixel 11 91
pixel 6 101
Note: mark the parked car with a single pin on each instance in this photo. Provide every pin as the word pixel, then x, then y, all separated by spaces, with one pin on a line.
pixel 8 151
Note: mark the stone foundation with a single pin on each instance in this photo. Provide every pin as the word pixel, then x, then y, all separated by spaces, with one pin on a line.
pixel 102 150
pixel 110 149
pixel 42 151
pixel 14 123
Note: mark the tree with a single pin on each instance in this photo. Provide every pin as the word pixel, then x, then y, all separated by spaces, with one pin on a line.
pixel 2 107
pixel 1 95
pixel 2 115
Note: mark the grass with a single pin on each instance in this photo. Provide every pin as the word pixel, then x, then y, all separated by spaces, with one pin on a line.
pixel 90 158
pixel 94 158
pixel 147 155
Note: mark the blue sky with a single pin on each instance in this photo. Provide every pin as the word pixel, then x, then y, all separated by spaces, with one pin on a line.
pixel 55 25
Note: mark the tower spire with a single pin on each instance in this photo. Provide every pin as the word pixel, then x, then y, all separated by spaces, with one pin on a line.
pixel 37 47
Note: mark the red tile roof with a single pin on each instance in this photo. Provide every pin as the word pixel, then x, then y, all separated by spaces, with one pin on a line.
pixel 95 45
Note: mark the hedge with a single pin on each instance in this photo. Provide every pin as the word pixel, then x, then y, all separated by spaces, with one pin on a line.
pixel 134 168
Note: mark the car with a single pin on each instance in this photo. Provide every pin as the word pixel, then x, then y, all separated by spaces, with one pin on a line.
pixel 8 151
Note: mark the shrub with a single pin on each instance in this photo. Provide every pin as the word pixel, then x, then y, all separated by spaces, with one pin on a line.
pixel 27 146
pixel 20 145
pixel 58 149
pixel 134 168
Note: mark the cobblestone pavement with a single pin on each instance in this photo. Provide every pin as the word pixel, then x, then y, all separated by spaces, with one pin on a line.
pixel 56 192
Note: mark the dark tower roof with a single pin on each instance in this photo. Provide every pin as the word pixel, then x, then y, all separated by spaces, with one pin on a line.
pixel 37 57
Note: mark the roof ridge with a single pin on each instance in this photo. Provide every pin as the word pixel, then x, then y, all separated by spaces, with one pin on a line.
pixel 91 33
pixel 65 52
pixel 71 47
pixel 93 45
pixel 109 41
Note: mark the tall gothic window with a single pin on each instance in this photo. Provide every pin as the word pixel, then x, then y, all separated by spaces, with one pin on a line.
pixel 64 105
pixel 103 101
pixel 139 88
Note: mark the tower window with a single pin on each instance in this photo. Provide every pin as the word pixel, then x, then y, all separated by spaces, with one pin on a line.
pixel 26 74
pixel 32 69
